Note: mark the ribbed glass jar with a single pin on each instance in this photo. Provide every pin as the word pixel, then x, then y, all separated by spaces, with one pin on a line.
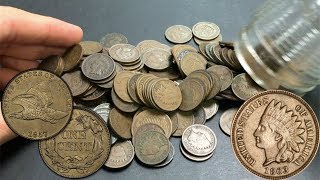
pixel 280 48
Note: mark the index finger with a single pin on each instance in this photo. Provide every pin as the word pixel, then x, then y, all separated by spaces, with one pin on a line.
pixel 21 27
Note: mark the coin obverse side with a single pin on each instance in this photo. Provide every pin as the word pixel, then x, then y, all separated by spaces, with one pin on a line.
pixel 80 149
pixel 121 154
pixel 152 147
pixel 37 104
pixel 275 134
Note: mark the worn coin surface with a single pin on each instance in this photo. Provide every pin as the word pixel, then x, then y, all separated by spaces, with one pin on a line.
pixel 124 53
pixel 72 57
pixel 152 116
pixel 80 149
pixel 201 41
pixel 166 95
pixel 206 30
pixel 90 47
pixel 178 34
pixel 199 140
pixel 244 87
pixel 122 105
pixel 112 39
pixel 76 82
pixel 192 62
pixel 146 127
pixel 120 85
pixel 121 154
pixel 275 134
pixel 210 107
pixel 168 159
pixel 54 64
pixel 192 94
pixel 226 120
pixel 120 123
pixel 37 104
pixel 199 115
pixel 157 59
pixel 152 147
pixel 185 119
pixel 147 45
pixel 98 66
pixel 224 73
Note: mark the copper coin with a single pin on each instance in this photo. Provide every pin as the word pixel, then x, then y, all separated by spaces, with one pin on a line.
pixel 37 104
pixel 168 159
pixel 80 149
pixel 122 105
pixel 199 115
pixel 90 47
pixel 146 127
pixel 244 87
pixel 192 62
pixel 206 30
pixel 112 39
pixel 192 94
pixel 185 119
pixel 275 134
pixel 132 90
pixel 157 59
pixel 98 66
pixel 178 34
pixel 225 75
pixel 72 57
pixel 120 123
pixel 77 83
pixel 120 85
pixel 54 64
pixel 124 53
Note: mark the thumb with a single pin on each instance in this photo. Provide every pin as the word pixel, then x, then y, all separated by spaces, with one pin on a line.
pixel 6 134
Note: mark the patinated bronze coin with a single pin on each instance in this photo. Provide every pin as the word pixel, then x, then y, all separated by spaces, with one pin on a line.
pixel 120 85
pixel 275 134
pixel 152 147
pixel 152 116
pixel 122 154
pixel 72 57
pixel 168 159
pixel 80 149
pixel 157 59
pixel 54 64
pixel 224 73
pixel 192 94
pixel 76 82
pixel 37 104
pixel 185 119
pixel 206 30
pixel 90 47
pixel 178 34
pixel 124 53
pixel 112 39
pixel 244 87
pixel 98 66
pixel 120 123
pixel 146 127
pixel 122 105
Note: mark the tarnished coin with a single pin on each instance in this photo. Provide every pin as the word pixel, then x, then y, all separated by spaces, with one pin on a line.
pixel 98 66
pixel 152 116
pixel 226 120
pixel 199 116
pixel 185 119
pixel 120 123
pixel 178 34
pixel 36 104
pixel 192 62
pixel 216 85
pixel 54 64
pixel 146 127
pixel 124 53
pixel 98 93
pixel 72 57
pixel 210 107
pixel 90 47
pixel 206 30
pixel 157 59
pixel 76 82
pixel 244 87
pixel 120 85
pixel 147 45
pixel 112 39
pixel 174 121
pixel 171 73
pixel 192 94
pixel 152 147
pixel 132 90
pixel 166 95
pixel 121 154
pixel 224 73
pixel 168 159
pixel 80 149
pixel 193 157
pixel 122 105
pixel 199 140
pixel 275 134
pixel 215 40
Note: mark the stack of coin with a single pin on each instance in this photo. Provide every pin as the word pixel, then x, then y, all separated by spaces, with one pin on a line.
pixel 198 142
pixel 127 55
pixel 206 32
pixel 221 53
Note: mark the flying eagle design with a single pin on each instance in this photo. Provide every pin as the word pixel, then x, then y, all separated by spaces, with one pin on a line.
pixel 36 104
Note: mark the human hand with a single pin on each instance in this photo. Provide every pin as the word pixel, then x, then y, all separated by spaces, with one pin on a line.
pixel 25 38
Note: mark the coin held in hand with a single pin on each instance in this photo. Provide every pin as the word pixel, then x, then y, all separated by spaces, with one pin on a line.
pixel 37 104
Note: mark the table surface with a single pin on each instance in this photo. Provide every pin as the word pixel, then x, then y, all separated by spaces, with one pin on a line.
pixel 140 20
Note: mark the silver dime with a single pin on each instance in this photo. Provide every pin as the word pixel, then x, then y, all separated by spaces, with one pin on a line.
pixel 121 155
pixel 199 140
pixel 178 34
pixel 112 39
pixel 193 157
pixel 210 107
pixel 226 120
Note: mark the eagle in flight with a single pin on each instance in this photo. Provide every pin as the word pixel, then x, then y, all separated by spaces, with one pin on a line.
pixel 36 104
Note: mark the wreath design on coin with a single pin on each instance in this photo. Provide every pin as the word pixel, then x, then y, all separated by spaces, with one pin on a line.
pixel 65 164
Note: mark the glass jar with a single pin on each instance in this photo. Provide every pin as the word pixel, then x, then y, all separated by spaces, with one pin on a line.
pixel 280 48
